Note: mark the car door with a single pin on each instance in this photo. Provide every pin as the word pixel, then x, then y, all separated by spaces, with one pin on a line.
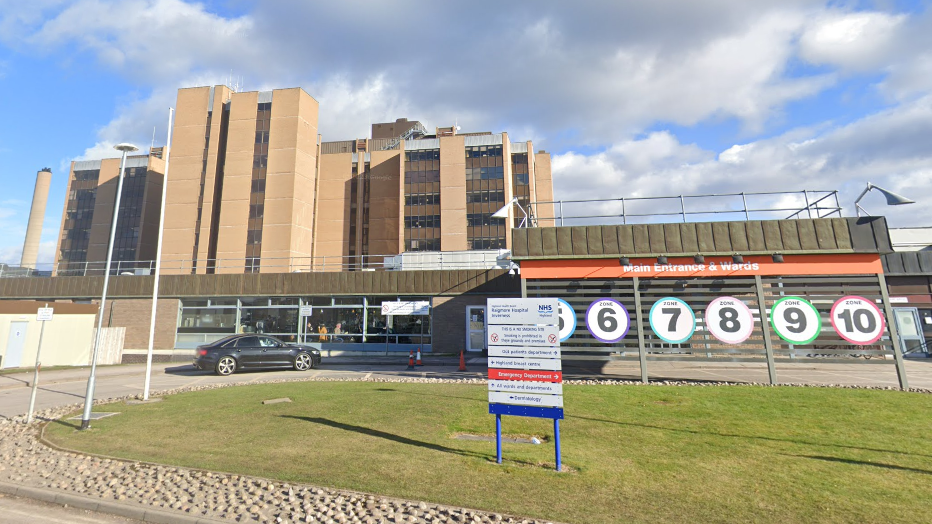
pixel 248 352
pixel 274 353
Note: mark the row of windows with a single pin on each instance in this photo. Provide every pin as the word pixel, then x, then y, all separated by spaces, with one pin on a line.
pixel 257 188
pixel 486 243
pixel 483 151
pixel 485 173
pixel 424 154
pixel 420 177
pixel 423 200
pixel 422 221
pixel 430 244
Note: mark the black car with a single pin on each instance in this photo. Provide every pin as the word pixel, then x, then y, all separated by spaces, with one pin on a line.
pixel 251 351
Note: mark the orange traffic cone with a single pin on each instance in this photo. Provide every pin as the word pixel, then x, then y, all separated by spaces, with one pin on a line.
pixel 418 363
pixel 462 361
pixel 410 359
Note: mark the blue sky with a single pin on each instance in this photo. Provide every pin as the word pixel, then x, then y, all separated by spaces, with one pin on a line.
pixel 631 98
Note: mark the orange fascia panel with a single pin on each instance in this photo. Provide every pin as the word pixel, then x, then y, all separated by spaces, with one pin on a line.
pixel 685 267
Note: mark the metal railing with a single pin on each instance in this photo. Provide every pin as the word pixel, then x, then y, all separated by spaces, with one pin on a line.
pixel 689 208
pixel 443 260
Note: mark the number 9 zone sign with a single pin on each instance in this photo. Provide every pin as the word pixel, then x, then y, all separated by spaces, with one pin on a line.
pixel 672 320
pixel 857 320
pixel 729 320
pixel 796 320
pixel 607 320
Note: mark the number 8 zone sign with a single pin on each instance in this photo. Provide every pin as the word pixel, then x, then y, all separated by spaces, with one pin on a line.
pixel 729 320
pixel 857 320
pixel 607 320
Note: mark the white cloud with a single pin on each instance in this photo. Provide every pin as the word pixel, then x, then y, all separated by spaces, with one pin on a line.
pixel 888 149
pixel 858 41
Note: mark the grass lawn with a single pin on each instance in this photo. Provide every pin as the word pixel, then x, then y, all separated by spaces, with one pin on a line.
pixel 635 454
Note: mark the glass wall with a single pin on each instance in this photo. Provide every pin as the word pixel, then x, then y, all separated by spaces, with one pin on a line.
pixel 352 323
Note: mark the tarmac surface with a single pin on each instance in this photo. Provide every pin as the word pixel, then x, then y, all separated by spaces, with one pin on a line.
pixel 66 387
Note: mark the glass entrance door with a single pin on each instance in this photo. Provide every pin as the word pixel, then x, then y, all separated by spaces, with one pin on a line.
pixel 912 341
pixel 475 328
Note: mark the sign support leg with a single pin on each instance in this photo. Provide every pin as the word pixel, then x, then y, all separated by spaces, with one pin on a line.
pixel 35 376
pixel 894 334
pixel 498 439
pixel 765 329
pixel 639 319
pixel 556 439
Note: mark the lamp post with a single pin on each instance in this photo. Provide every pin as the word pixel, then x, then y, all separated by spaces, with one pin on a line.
pixel 892 198
pixel 158 259
pixel 89 397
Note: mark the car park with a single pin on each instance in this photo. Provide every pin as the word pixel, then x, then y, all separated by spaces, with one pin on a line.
pixel 251 351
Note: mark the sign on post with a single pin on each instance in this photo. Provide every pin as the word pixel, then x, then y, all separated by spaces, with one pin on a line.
pixel 400 308
pixel 525 377
pixel 44 314
pixel 307 311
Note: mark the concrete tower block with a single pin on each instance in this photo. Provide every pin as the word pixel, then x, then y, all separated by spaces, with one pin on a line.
pixel 40 198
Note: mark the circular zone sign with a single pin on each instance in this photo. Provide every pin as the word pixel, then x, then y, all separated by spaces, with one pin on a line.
pixel 857 320
pixel 607 320
pixel 567 319
pixel 795 320
pixel 672 320
pixel 729 320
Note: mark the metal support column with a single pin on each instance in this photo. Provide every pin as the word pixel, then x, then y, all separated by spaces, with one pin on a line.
pixel 639 319
pixel 894 333
pixel 765 329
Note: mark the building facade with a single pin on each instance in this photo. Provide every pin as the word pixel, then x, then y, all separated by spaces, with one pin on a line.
pixel 253 189
pixel 88 215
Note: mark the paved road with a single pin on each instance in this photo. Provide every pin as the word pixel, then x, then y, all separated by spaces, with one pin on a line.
pixel 68 386
pixel 15 510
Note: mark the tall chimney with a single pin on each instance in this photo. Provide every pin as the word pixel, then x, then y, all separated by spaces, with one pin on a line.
pixel 36 214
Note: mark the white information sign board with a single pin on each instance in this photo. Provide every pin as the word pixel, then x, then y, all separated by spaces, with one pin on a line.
pixel 672 320
pixel 44 314
pixel 523 335
pixel 526 399
pixel 533 311
pixel 307 311
pixel 523 352
pixel 416 307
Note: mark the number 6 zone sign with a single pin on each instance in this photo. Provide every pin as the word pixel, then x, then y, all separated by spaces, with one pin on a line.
pixel 607 320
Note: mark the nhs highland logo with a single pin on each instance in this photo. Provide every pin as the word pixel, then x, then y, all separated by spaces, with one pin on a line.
pixel 540 311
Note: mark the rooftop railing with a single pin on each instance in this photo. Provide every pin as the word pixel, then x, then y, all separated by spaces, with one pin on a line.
pixel 688 208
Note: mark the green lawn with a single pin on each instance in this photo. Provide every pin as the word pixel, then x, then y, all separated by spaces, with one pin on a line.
pixel 635 454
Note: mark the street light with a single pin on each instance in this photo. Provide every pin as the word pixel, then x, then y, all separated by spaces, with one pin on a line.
pixel 89 397
pixel 505 211
pixel 892 198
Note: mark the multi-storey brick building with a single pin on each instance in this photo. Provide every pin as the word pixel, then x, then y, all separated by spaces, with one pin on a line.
pixel 88 214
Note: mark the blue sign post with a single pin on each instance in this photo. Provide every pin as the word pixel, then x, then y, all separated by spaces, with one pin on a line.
pixel 525 371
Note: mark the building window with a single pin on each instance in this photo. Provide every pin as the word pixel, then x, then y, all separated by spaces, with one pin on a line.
pixel 521 185
pixel 260 162
pixel 78 215
pixel 485 194
pixel 422 200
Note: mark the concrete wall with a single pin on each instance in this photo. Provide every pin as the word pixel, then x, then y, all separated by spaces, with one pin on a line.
pixel 452 194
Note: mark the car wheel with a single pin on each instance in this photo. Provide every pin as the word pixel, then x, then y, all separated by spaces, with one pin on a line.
pixel 226 366
pixel 303 362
